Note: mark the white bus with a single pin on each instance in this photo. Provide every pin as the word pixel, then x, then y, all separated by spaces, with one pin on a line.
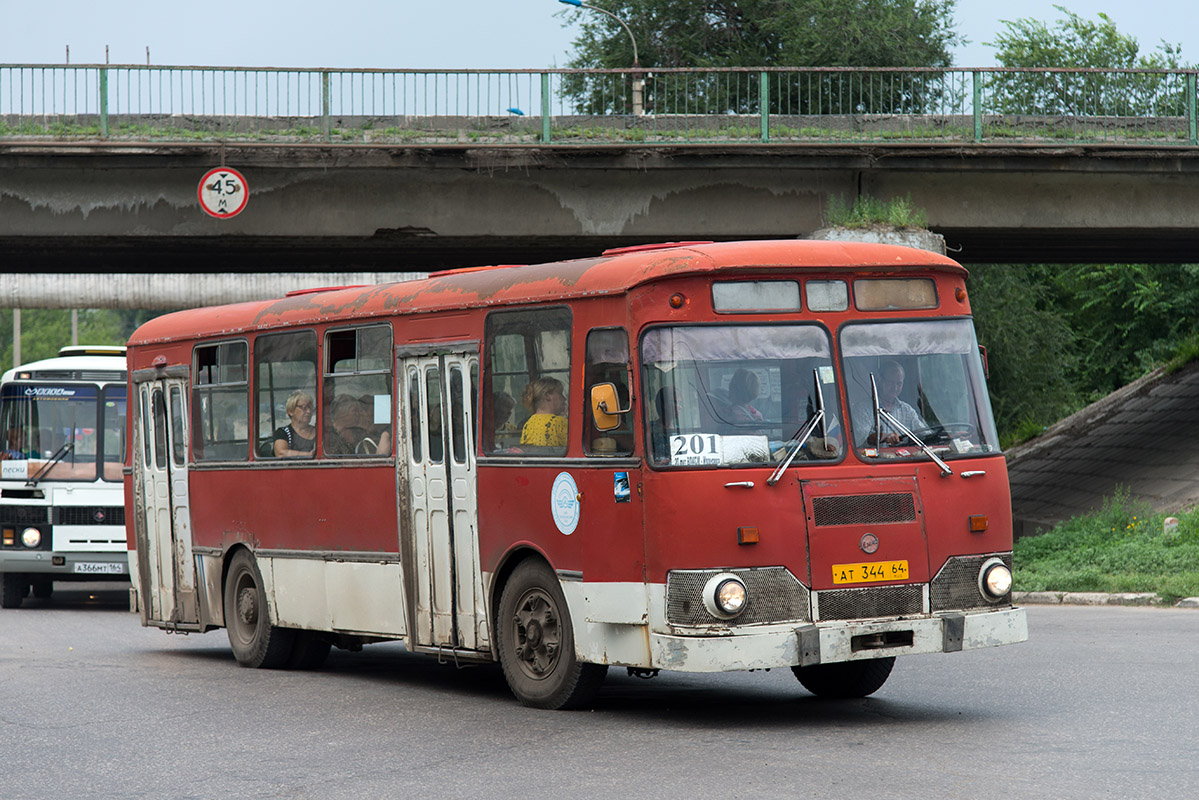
pixel 62 513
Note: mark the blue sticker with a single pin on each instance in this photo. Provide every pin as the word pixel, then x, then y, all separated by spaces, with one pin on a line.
pixel 620 487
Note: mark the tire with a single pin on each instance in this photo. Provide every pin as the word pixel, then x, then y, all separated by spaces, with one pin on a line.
pixel 43 588
pixel 255 641
pixel 536 642
pixel 308 651
pixel 847 679
pixel 13 587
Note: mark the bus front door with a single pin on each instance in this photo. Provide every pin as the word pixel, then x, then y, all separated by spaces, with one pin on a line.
pixel 166 569
pixel 439 542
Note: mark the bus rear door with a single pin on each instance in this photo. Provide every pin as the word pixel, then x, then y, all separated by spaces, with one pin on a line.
pixel 439 532
pixel 167 570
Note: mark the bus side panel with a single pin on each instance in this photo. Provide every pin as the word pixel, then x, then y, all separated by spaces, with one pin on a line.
pixel 350 508
pixel 514 506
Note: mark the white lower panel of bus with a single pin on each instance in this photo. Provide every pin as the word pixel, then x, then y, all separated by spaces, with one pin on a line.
pixel 763 646
pixel 344 596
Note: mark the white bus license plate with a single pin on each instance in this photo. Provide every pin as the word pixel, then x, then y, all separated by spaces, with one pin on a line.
pixel 92 568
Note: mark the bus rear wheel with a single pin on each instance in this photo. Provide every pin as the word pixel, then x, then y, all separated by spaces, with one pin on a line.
pixel 536 642
pixel 255 641
pixel 846 679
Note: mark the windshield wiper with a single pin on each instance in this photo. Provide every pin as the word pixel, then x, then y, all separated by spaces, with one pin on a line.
pixel 54 459
pixel 804 433
pixel 881 414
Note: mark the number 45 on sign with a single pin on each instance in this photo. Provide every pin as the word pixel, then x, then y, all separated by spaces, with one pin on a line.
pixel 223 192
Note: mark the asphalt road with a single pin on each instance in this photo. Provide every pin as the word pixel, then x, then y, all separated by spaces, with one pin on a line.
pixel 1101 702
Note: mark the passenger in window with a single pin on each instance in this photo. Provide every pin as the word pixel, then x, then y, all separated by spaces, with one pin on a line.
pixel 890 384
pixel 298 438
pixel 350 430
pixel 504 405
pixel 744 389
pixel 547 427
pixel 16 445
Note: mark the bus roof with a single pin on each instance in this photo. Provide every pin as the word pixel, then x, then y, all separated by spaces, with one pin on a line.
pixel 616 272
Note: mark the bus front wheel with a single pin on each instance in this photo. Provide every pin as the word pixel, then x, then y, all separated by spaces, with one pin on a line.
pixel 255 641
pixel 536 642
pixel 13 588
pixel 846 679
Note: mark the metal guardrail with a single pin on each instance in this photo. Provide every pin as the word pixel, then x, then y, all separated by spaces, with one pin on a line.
pixel 558 106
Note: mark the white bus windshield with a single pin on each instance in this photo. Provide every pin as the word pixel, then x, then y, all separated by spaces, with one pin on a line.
pixel 84 426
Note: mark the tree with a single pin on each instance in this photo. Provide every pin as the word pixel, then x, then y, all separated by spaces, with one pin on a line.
pixel 759 33
pixel 1030 347
pixel 44 331
pixel 1078 43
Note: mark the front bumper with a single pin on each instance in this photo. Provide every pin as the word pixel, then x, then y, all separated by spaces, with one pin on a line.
pixel 830 642
pixel 67 566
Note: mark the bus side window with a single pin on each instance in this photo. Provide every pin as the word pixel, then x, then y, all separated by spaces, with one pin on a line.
pixel 608 362
pixel 284 364
pixel 221 402
pixel 526 382
pixel 357 392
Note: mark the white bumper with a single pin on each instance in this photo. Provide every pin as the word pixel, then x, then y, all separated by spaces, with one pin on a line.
pixel 828 642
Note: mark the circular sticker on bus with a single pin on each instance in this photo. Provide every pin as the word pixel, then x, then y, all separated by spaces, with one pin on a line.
pixel 564 503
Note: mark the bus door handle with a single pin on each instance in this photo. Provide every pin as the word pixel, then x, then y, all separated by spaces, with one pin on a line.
pixel 740 485
pixel 970 473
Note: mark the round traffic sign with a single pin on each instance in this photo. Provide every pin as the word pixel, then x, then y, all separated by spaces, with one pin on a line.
pixel 223 192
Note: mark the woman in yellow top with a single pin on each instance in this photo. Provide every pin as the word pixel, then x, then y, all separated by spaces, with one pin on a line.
pixel 547 427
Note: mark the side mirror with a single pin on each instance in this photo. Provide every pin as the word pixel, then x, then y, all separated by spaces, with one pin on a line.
pixel 982 352
pixel 605 407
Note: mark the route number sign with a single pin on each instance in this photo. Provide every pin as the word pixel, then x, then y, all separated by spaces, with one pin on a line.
pixel 223 192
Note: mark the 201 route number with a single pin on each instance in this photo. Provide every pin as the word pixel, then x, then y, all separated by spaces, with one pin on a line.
pixel 223 192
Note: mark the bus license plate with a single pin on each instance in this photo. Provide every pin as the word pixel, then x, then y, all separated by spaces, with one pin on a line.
pixel 874 571
pixel 92 568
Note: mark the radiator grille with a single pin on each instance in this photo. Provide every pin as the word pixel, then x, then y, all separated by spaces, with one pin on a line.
pixel 872 601
pixel 24 515
pixel 956 585
pixel 89 515
pixel 863 509
pixel 774 596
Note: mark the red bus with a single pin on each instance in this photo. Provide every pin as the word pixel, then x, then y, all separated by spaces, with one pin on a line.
pixel 691 456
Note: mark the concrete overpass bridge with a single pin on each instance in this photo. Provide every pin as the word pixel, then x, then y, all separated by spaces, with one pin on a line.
pixel 376 170
pixel 384 173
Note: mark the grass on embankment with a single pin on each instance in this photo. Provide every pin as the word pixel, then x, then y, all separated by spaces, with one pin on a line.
pixel 1119 548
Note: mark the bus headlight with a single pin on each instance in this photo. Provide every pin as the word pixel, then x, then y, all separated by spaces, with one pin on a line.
pixel 725 596
pixel 994 579
pixel 31 537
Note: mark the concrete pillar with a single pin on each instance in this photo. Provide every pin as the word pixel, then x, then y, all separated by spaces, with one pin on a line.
pixel 16 338
pixel 919 239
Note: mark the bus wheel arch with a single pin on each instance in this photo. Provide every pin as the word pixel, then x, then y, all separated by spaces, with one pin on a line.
pixel 255 641
pixel 535 639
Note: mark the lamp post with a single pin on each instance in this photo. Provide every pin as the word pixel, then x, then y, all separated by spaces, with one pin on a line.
pixel 638 81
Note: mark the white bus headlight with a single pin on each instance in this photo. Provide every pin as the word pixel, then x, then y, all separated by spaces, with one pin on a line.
pixel 31 537
pixel 725 596
pixel 994 579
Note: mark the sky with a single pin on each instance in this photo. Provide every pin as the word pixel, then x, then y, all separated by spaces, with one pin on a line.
pixel 432 34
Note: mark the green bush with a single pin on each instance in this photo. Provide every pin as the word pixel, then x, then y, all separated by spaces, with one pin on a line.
pixel 1122 547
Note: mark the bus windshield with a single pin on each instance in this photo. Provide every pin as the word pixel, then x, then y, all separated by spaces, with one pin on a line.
pixel 738 395
pixel 928 378
pixel 84 422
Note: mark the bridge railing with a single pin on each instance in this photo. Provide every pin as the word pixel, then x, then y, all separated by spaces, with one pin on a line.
pixel 558 106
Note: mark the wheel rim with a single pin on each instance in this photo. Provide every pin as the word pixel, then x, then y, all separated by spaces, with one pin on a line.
pixel 537 634
pixel 246 609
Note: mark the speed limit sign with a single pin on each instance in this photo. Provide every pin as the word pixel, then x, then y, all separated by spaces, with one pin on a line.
pixel 223 192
